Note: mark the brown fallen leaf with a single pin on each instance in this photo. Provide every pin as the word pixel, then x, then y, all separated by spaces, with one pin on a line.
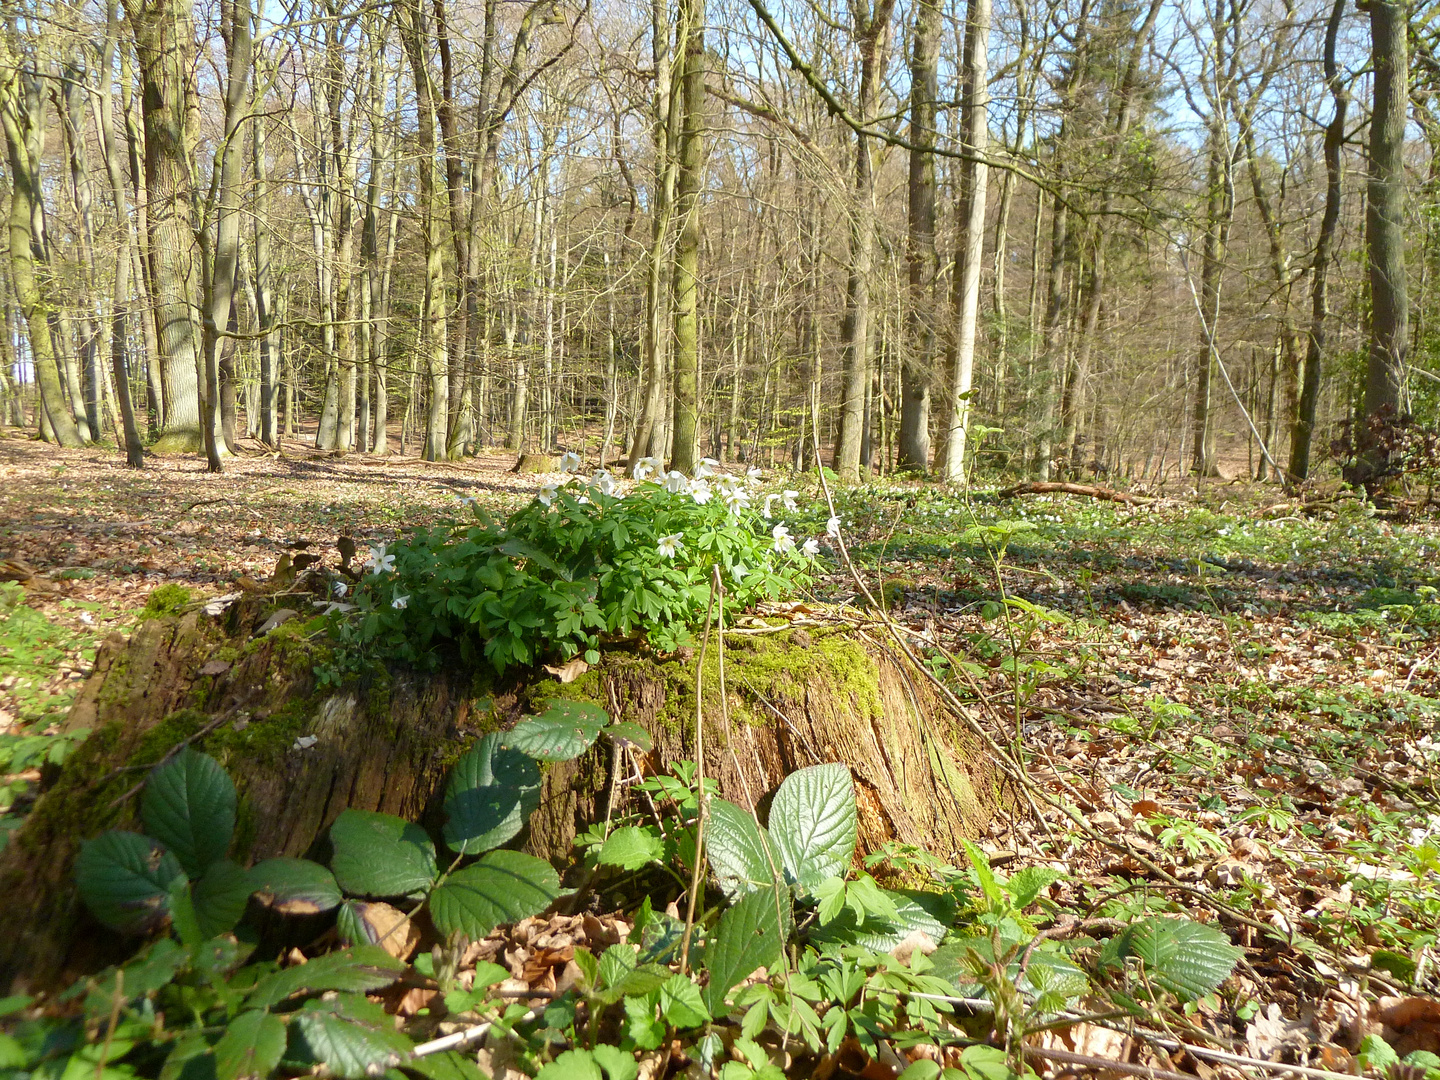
pixel 389 928
pixel 570 671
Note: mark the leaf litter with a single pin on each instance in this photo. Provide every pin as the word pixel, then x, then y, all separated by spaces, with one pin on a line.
pixel 1243 711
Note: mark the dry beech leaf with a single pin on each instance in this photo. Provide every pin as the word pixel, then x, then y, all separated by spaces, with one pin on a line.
pixel 568 672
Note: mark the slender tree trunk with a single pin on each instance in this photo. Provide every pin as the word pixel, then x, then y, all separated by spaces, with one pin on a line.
pixel 917 367
pixel 973 179
pixel 120 311
pixel 1385 221
pixel 689 182
pixel 665 135
pixel 433 306
pixel 21 114
pixel 222 263
pixel 1320 268
pixel 872 30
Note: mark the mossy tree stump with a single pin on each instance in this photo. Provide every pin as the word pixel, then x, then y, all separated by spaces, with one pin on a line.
pixel 794 697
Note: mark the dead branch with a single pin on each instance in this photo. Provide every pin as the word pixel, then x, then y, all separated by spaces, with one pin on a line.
pixel 1045 487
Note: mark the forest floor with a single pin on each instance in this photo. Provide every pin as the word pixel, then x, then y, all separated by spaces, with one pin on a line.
pixel 1242 701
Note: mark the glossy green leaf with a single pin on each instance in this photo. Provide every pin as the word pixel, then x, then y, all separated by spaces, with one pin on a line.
pixel 360 968
pixel 813 823
pixel 189 806
pixel 220 897
pixel 350 1035
pixel 381 855
pixel 295 886
pixel 631 847
pixel 252 1046
pixel 493 791
pixel 750 935
pixel 628 731
pixel 737 849
pixel 124 879
pixel 916 912
pixel 1185 957
pixel 563 732
pixel 503 887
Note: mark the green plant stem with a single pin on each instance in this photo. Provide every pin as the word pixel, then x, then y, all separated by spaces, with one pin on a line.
pixel 114 1020
pixel 697 875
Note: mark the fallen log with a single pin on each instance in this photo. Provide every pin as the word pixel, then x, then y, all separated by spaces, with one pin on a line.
pixel 1046 487
pixel 300 753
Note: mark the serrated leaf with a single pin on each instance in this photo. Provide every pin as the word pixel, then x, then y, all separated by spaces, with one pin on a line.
pixel 351 1036
pixel 220 897
pixel 357 969
pixel 628 731
pixel 736 847
pixel 503 887
pixel 813 823
pixel 1026 885
pixel 916 911
pixel 295 886
pixel 446 1065
pixel 681 1003
pixel 631 847
pixel 189 806
pixel 1185 957
pixel 493 791
pixel 381 855
pixel 563 732
pixel 750 935
pixel 252 1046
pixel 124 879
pixel 571 1065
pixel 618 1064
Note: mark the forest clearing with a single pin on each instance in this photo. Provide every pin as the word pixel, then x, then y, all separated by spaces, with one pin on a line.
pixel 1212 710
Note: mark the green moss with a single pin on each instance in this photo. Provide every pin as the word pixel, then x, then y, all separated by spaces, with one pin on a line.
pixel 164 601
pixel 775 667
pixel 80 804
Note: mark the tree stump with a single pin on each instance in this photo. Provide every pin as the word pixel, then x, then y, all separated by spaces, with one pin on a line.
pixel 300 753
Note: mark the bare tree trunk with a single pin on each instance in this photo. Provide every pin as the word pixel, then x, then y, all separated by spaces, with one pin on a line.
pixel 916 373
pixel 120 311
pixel 21 114
pixel 433 306
pixel 165 44
pixel 872 32
pixel 689 180
pixel 223 262
pixel 1320 268
pixel 1385 220
pixel 971 249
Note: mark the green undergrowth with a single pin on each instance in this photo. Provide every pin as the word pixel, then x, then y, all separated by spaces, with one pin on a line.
pixel 41 662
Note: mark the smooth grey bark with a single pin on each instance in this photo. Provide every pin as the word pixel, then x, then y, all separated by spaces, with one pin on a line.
pixel 970 251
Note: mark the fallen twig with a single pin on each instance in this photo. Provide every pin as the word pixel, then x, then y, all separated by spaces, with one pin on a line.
pixel 1045 487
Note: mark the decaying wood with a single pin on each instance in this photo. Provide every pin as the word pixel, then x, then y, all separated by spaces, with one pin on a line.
pixel 795 698
pixel 1046 487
